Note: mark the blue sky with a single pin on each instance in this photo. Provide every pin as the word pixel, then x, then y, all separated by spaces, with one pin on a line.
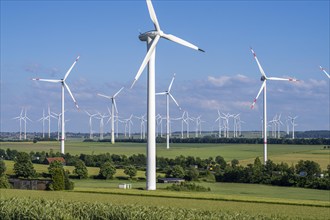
pixel 42 39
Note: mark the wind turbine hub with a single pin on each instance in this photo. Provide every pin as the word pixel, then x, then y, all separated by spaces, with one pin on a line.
pixel 148 34
pixel 263 78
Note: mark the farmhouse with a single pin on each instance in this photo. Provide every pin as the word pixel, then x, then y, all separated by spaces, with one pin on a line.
pixel 49 160
pixel 170 180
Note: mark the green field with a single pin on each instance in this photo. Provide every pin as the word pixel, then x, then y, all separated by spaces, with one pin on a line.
pixel 251 199
pixel 245 153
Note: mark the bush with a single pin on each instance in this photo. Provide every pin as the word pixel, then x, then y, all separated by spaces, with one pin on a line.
pixel 107 170
pixel 130 171
pixel 58 179
pixel 184 186
pixel 192 174
pixel 2 167
pixel 4 183
pixel 80 169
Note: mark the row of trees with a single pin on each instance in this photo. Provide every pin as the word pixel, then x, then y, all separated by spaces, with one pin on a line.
pixel 303 174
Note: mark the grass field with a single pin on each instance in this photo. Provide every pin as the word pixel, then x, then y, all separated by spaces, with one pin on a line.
pixel 269 201
pixel 245 153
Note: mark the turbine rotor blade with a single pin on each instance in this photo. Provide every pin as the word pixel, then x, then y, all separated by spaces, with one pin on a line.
pixel 260 68
pixel 180 41
pixel 68 72
pixel 325 72
pixel 114 96
pixel 153 15
pixel 161 93
pixel 261 88
pixel 146 59
pixel 169 88
pixel 105 96
pixel 282 79
pixel 174 100
pixel 48 80
pixel 114 103
pixel 67 88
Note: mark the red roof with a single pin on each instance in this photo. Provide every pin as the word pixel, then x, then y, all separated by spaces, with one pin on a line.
pixel 52 159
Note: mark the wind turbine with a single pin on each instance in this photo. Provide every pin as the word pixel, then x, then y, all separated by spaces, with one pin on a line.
pixel 20 118
pixel 113 108
pixel 219 123
pixel 292 120
pixel 152 38
pixel 325 72
pixel 128 123
pixel 43 118
pixel 142 126
pixel 25 118
pixel 58 117
pixel 101 118
pixel 264 79
pixel 168 95
pixel 90 124
pixel 63 85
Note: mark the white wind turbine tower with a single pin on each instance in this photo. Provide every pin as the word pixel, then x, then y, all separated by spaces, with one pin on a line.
pixel 219 123
pixel 142 126
pixel 279 123
pixel 187 119
pixel 58 117
pixel 292 120
pixel 63 85
pixel 159 123
pixel 152 38
pixel 168 95
pixel 20 118
pixel 113 109
pixel 325 72
pixel 48 118
pixel 101 118
pixel 43 118
pixel 182 118
pixel 90 124
pixel 264 79
pixel 128 123
pixel 25 118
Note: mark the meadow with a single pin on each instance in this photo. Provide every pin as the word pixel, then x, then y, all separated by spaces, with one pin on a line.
pixel 245 153
pixel 245 201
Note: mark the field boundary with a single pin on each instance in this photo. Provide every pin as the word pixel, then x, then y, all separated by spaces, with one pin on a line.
pixel 203 198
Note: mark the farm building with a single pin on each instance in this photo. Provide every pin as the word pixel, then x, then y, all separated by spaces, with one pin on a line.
pixel 170 180
pixel 49 160
pixel 31 184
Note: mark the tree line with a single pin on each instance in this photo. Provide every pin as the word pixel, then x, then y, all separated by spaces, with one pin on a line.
pixel 305 173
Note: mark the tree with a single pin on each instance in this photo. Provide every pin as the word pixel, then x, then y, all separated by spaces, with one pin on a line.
pixel 234 163
pixel 107 170
pixel 2 167
pixel 221 161
pixel 176 172
pixel 130 171
pixel 54 165
pixel 80 169
pixel 192 174
pixel 310 167
pixel 23 166
pixel 58 179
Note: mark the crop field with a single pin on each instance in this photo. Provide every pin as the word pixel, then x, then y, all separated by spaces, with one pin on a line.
pixel 191 201
pixel 245 153
pixel 248 201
